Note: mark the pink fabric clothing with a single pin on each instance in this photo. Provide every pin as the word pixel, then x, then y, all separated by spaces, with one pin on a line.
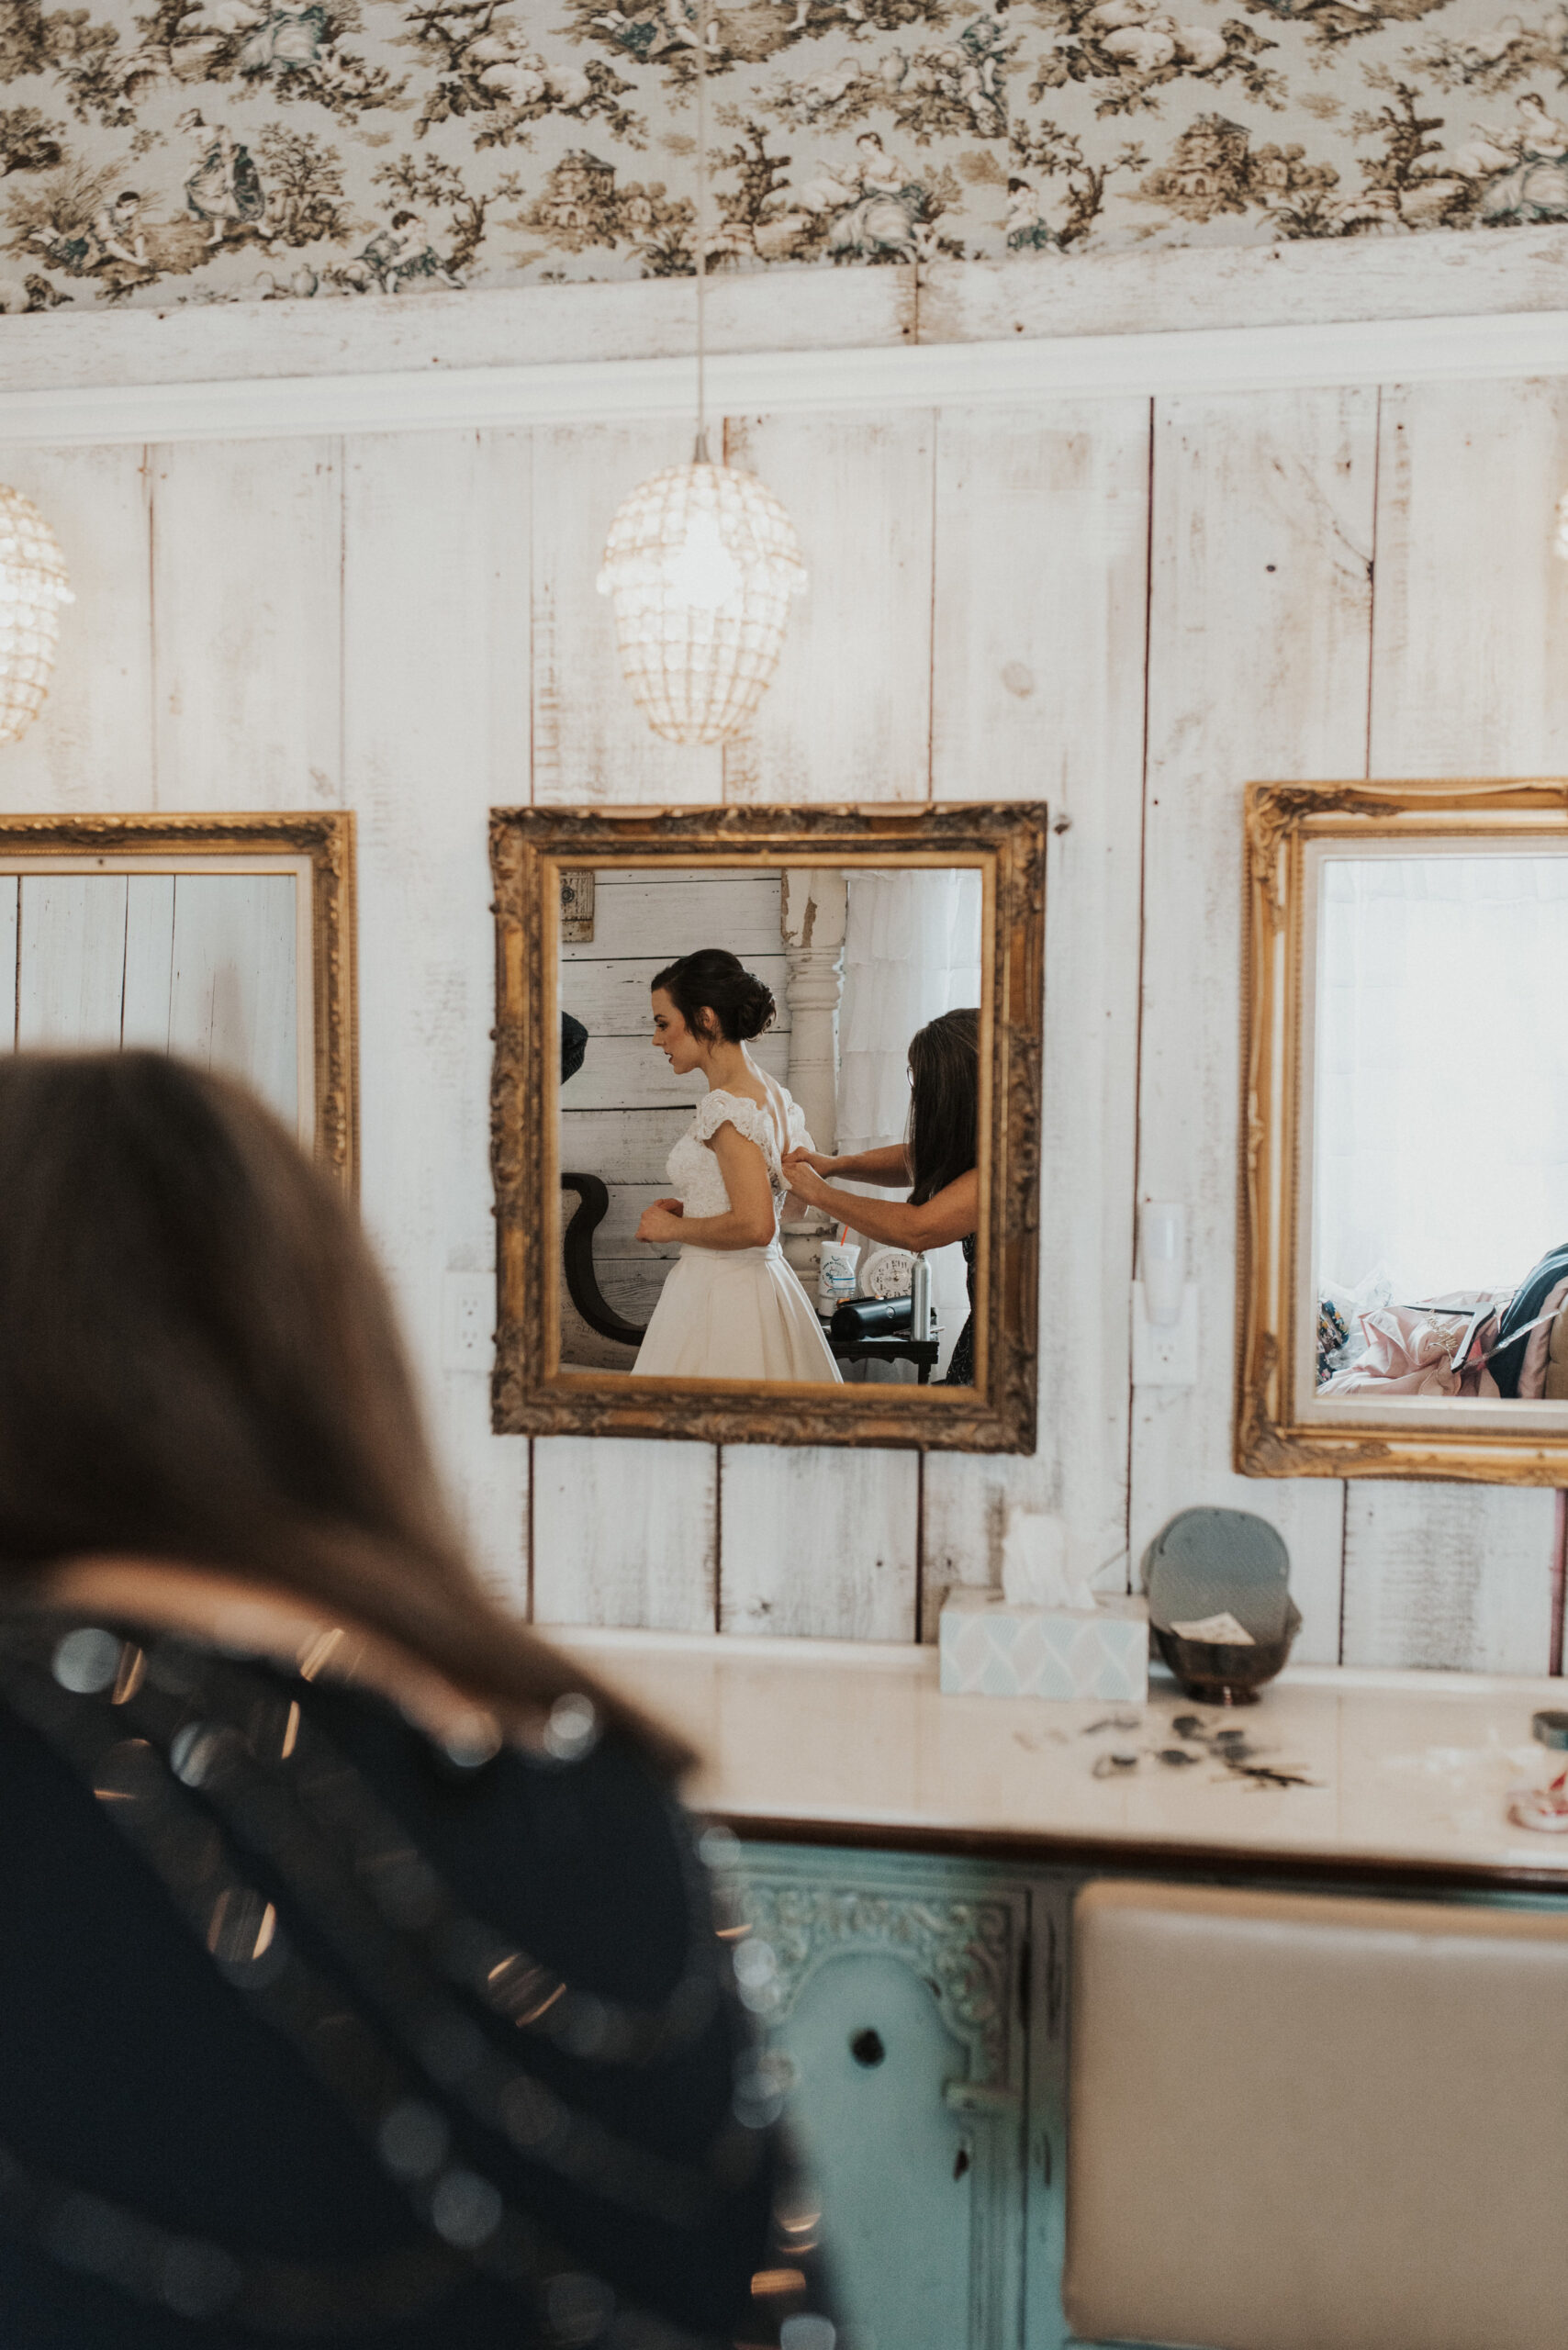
pixel 1410 1350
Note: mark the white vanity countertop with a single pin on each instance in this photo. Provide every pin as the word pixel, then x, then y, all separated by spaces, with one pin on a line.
pixel 1407 1769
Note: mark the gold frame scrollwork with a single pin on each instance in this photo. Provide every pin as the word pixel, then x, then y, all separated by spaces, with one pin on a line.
pixel 325 836
pixel 530 1395
pixel 1278 1431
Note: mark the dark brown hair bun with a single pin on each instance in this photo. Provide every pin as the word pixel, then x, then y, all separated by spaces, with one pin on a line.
pixel 717 982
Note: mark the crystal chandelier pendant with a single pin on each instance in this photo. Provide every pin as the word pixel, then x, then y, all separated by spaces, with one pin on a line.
pixel 33 587
pixel 700 564
pixel 701 559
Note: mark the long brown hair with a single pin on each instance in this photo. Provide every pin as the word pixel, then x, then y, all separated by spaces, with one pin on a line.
pixel 199 1362
pixel 943 1142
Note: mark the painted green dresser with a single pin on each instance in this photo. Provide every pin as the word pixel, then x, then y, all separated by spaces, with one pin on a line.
pixel 915 2012
pixel 916 2007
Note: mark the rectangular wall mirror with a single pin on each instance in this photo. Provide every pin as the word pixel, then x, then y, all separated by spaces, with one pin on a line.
pixel 1406 1275
pixel 226 939
pixel 705 1224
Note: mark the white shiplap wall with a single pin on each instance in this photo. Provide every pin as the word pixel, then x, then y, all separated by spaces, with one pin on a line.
pixel 1127 607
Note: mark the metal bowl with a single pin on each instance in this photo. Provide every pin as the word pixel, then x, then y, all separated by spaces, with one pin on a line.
pixel 1224 1673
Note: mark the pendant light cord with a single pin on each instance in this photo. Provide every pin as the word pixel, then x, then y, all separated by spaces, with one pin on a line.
pixel 700 455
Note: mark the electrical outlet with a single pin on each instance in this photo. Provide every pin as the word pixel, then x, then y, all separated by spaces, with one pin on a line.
pixel 1166 1354
pixel 468 1322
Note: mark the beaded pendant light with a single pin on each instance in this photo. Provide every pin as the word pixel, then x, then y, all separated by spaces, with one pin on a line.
pixel 33 586
pixel 701 559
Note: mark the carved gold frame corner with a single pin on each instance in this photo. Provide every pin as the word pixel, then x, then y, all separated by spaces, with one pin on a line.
pixel 1277 1431
pixel 325 836
pixel 528 848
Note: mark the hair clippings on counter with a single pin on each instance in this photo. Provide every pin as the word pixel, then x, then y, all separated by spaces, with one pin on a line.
pixel 1232 1748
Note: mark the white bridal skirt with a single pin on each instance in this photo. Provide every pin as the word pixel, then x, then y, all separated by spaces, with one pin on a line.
pixel 733 1313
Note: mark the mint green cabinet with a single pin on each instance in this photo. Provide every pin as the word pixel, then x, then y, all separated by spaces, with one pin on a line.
pixel 914 2010
pixel 917 2009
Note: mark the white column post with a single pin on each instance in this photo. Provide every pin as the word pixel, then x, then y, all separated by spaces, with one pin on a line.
pixel 813 908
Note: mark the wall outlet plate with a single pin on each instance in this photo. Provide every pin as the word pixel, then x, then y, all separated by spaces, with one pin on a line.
pixel 1166 1354
pixel 468 1322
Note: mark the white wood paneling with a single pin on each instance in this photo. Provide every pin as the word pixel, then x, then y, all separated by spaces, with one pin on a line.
pixel 1258 652
pixel 847 715
pixel 611 997
pixel 246 583
pixel 10 892
pixel 435 605
pixel 846 718
pixel 621 1145
pixel 959 551
pixel 658 916
pixel 91 745
pixel 149 959
pixel 818 1544
pixel 640 1566
pixel 232 1002
pixel 623 1069
pixel 1467 678
pixel 1042 532
pixel 590 741
pixel 1448 1576
pixel 71 959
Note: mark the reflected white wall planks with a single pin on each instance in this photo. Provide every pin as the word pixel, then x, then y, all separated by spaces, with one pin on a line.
pixel 985 587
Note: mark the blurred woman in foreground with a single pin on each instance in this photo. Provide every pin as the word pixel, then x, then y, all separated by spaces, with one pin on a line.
pixel 358 1974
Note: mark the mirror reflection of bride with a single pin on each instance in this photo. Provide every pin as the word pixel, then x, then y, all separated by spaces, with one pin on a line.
pixel 732 1307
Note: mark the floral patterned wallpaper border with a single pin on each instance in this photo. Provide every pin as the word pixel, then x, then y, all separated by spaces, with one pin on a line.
pixel 202 150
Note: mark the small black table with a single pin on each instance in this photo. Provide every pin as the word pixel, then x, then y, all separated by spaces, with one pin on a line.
pixel 898 1347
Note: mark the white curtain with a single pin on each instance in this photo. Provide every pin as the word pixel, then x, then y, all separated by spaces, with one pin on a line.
pixel 1441 1111
pixel 912 951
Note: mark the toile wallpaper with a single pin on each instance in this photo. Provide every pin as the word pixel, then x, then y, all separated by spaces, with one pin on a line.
pixel 202 150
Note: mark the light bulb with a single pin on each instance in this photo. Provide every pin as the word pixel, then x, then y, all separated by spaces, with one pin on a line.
pixel 702 571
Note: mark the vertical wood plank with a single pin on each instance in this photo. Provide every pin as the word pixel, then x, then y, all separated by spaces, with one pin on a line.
pixel 71 960
pixel 1448 1576
pixel 232 986
pixel 1042 552
pixel 1259 643
pixel 149 959
pixel 653 1566
pixel 91 745
pixel 246 586
pixel 10 896
pixel 847 715
pixel 1468 677
pixel 590 741
pixel 435 635
pixel 599 1563
pixel 1472 607
pixel 818 1544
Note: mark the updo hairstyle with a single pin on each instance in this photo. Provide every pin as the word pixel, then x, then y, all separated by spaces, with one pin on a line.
pixel 717 982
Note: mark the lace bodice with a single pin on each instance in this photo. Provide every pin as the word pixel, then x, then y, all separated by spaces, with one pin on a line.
pixel 694 1170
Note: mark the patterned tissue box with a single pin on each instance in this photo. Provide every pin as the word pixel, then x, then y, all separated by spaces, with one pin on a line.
pixel 992 1648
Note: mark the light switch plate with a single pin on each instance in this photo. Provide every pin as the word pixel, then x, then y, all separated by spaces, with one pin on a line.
pixel 468 1322
pixel 1166 1354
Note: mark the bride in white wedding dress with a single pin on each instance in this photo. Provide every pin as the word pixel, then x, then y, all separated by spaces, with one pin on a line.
pixel 732 1307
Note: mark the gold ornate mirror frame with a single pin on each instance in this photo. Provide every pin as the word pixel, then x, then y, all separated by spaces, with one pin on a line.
pixel 530 850
pixel 1280 1430
pixel 316 847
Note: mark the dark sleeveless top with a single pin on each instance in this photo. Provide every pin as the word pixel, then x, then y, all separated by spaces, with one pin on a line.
pixel 961 1365
pixel 312 2032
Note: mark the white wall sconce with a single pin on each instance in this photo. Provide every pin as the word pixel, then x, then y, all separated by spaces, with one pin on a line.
pixel 1165 1302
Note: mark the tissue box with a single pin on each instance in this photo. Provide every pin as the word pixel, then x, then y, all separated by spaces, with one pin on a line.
pixel 991 1647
